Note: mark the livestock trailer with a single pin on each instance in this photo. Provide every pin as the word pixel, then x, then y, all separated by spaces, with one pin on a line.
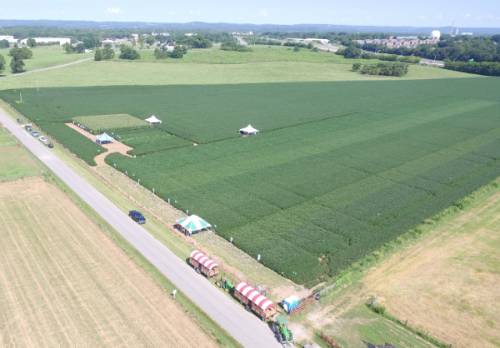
pixel 203 264
pixel 255 301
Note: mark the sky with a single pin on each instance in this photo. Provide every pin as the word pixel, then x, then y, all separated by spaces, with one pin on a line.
pixel 462 13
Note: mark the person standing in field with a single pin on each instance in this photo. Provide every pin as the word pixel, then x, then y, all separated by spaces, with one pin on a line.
pixel 174 292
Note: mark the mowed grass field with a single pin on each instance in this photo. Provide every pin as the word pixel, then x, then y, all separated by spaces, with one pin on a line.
pixel 43 57
pixel 63 282
pixel 338 170
pixel 213 66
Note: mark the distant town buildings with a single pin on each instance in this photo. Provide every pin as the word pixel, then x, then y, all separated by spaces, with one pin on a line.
pixel 308 40
pixel 403 41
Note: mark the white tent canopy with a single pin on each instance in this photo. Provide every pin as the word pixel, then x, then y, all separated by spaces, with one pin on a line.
pixel 153 120
pixel 249 130
pixel 104 138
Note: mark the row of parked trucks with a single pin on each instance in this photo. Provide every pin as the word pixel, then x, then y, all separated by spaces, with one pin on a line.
pixel 247 295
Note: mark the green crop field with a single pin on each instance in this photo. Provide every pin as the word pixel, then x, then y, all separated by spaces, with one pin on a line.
pixel 100 123
pixel 339 168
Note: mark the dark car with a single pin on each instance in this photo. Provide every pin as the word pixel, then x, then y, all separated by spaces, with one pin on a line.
pixel 137 217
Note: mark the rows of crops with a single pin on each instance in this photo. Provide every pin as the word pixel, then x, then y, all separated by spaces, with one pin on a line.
pixel 339 169
pixel 147 140
pixel 100 123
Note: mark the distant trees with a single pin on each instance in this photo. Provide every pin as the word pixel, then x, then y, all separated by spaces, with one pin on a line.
pixel 74 48
pixel 2 63
pixel 196 41
pixel 150 40
pixel 90 40
pixel 18 56
pixel 459 48
pixel 4 44
pixel 129 53
pixel 356 66
pixel 481 68
pixel 105 53
pixel 31 42
pixel 382 69
pixel 351 52
pixel 177 53
pixel 21 53
pixel 68 48
pixel 233 45
pixel 161 53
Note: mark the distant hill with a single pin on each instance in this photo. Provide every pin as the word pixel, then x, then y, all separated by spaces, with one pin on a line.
pixel 193 26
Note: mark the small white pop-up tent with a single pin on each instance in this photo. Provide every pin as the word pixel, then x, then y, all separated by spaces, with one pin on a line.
pixel 249 130
pixel 152 120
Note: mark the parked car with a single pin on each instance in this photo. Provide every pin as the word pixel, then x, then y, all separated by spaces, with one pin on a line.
pixel 50 145
pixel 28 127
pixel 44 139
pixel 35 133
pixel 137 217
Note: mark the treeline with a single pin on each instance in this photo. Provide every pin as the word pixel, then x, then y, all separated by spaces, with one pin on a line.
pixel 462 48
pixel 355 52
pixel 234 45
pixel 178 52
pixel 481 68
pixel 382 69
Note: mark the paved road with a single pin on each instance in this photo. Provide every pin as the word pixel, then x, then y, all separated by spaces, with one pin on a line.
pixel 242 325
pixel 53 67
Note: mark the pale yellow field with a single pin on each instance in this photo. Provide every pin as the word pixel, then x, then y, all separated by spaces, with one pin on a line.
pixel 63 282
pixel 448 284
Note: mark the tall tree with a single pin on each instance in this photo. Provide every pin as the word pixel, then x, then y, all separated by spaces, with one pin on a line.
pixel 127 52
pixel 17 65
pixel 2 63
pixel 31 42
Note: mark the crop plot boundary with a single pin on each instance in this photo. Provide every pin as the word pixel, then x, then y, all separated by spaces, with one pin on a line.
pixel 99 123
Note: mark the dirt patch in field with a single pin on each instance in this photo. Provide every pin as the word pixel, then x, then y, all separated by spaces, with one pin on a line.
pixel 114 147
pixel 63 282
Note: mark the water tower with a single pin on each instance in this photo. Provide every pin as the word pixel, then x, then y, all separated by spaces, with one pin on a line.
pixel 436 35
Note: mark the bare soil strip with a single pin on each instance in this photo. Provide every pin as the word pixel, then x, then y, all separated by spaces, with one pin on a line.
pixel 114 147
pixel 64 283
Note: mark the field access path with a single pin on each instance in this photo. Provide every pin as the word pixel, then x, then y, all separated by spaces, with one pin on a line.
pixel 243 326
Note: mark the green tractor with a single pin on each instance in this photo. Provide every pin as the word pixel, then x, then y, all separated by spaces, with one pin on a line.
pixel 281 330
pixel 226 284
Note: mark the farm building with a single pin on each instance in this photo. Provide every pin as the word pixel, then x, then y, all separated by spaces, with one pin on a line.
pixel 49 41
pixel 9 38
pixel 249 130
pixel 203 264
pixel 192 224
pixel 104 138
pixel 153 120
pixel 258 303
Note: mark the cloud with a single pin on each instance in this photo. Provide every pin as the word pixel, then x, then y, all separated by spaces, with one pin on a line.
pixel 114 10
